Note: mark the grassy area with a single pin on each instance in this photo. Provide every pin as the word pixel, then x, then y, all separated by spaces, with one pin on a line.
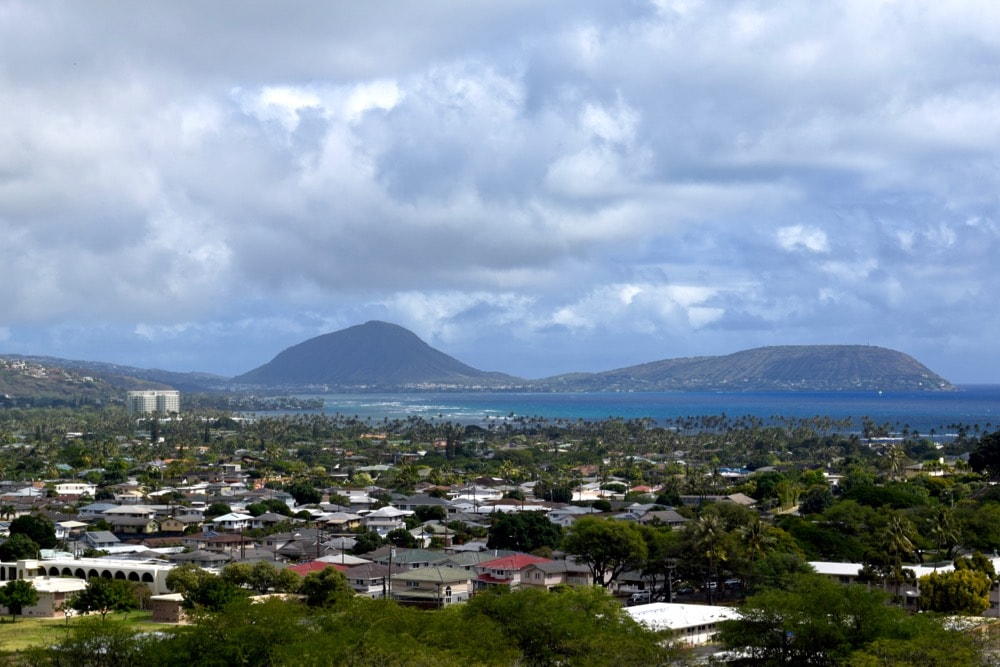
pixel 28 632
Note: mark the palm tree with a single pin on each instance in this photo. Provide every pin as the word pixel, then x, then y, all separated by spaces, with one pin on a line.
pixel 709 539
pixel 898 543
pixel 945 533
pixel 895 459
pixel 756 542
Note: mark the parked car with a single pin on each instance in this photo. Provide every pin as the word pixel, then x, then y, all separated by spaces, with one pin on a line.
pixel 642 597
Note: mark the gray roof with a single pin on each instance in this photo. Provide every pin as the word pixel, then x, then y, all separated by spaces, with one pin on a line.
pixel 100 537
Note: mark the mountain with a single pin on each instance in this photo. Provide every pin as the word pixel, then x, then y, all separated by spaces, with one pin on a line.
pixel 370 355
pixel 378 356
pixel 780 368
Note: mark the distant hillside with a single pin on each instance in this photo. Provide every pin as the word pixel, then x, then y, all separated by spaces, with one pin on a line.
pixel 54 380
pixel 371 355
pixel 782 368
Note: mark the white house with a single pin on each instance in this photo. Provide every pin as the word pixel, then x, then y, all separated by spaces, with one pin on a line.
pixel 385 520
pixel 690 624
pixel 76 489
pixel 233 522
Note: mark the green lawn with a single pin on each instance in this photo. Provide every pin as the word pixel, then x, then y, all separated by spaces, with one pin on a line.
pixel 28 632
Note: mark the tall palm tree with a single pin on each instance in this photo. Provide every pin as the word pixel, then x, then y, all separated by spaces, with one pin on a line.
pixel 945 533
pixel 895 459
pixel 756 542
pixel 898 543
pixel 709 539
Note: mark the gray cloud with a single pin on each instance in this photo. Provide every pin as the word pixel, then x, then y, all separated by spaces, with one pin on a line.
pixel 533 188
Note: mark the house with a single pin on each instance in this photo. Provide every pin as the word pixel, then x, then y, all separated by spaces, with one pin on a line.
pixel 128 511
pixel 554 573
pixel 566 515
pixel 663 518
pixel 75 489
pixel 344 522
pixel 130 496
pixel 370 580
pixel 408 559
pixel 385 520
pixel 505 571
pixel 689 624
pixel 233 522
pixel 168 608
pixel 53 594
pixel 431 587
pixel 307 568
pixel 260 495
pixel 201 558
pixel 100 539
pixel 95 510
pixel 172 525
pixel 424 500
pixel 737 498
pixel 467 560
pixel 128 525
pixel 70 529
pixel 268 519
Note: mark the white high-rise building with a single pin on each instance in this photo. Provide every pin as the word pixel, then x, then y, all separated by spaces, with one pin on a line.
pixel 153 401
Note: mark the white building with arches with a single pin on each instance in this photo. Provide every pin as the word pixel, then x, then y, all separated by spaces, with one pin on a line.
pixel 153 573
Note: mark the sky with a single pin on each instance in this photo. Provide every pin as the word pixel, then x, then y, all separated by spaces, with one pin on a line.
pixel 533 188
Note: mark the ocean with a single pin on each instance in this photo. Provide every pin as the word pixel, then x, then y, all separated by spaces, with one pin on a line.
pixel 977 405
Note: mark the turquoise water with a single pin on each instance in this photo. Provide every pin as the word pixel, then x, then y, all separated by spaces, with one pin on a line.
pixel 972 405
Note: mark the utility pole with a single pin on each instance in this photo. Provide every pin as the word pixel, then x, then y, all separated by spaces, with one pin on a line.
pixel 392 552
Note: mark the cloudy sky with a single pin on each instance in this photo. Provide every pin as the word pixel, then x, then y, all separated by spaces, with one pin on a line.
pixel 531 187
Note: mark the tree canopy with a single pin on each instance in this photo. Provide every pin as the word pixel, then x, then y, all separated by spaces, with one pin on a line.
pixel 607 547
pixel 41 531
pixel 16 595
pixel 523 531
pixel 104 596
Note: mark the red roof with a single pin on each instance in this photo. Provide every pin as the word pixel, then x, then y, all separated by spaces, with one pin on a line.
pixel 303 569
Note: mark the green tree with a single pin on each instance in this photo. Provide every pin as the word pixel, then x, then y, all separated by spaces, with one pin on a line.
pixel 572 626
pixel 955 592
pixel 93 643
pixel 269 505
pixel 304 493
pixel 104 596
pixel 817 499
pixel 18 547
pixel 216 509
pixel 38 528
pixel 261 577
pixel 238 574
pixel 186 577
pixel 985 458
pixel 401 538
pixel 17 595
pixel 240 632
pixel 426 513
pixel 607 547
pixel 920 640
pixel 523 531
pixel 710 541
pixel 977 562
pixel 812 621
pixel 325 588
pixel 366 541
pixel 213 593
